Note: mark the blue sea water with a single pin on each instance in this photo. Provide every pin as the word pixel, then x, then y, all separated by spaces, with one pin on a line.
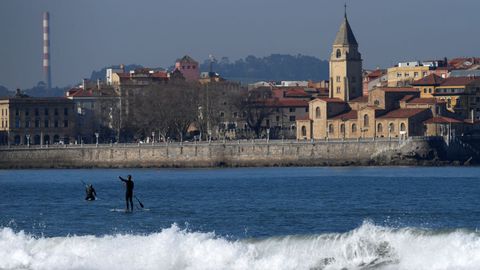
pixel 243 218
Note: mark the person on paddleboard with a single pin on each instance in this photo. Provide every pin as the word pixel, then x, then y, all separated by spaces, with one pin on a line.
pixel 90 193
pixel 128 191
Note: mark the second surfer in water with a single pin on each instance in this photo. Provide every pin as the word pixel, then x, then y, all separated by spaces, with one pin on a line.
pixel 128 191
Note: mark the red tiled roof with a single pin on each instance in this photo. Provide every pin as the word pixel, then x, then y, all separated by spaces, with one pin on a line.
pixel 362 99
pixel 296 93
pixel 352 114
pixel 454 81
pixel 80 92
pixel 431 79
pixel 160 74
pixel 425 101
pixel 303 118
pixel 376 73
pixel 332 100
pixel 403 113
pixel 399 89
pixel 441 120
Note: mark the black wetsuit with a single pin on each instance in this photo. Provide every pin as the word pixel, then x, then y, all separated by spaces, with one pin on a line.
pixel 91 194
pixel 128 192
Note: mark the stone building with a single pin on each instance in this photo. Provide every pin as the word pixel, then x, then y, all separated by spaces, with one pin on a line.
pixel 97 112
pixel 36 121
pixel 461 94
pixel 389 112
pixel 188 67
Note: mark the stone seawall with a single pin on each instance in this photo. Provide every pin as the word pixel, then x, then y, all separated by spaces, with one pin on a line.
pixel 273 153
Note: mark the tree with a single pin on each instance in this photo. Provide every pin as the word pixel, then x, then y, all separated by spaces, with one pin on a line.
pixel 256 105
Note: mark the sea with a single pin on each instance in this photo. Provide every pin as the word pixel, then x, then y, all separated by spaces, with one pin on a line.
pixel 242 218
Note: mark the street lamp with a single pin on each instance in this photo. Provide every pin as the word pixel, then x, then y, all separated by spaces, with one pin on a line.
pixel 268 135
pixel 96 135
pixel 153 137
pixel 28 140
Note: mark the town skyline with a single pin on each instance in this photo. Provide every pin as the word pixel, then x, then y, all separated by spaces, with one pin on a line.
pixel 80 46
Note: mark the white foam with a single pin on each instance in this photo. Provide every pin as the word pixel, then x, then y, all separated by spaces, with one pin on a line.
pixel 367 247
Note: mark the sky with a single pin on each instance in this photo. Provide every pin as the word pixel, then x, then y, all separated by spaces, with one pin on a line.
pixel 88 35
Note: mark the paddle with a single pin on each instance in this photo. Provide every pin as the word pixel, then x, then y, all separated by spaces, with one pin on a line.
pixel 139 202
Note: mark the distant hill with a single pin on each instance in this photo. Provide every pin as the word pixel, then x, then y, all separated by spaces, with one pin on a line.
pixel 4 91
pixel 275 67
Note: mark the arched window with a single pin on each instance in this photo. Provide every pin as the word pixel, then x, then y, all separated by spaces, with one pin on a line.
pixel 342 128
pixel 339 53
pixel 379 128
pixel 304 131
pixel 402 127
pixel 354 128
pixel 317 112
pixel 365 120
pixel 391 127
pixel 330 128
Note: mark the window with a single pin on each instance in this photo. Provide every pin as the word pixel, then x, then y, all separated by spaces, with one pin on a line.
pixel 415 74
pixel 17 112
pixel 304 131
pixel 46 123
pixel 399 75
pixel 402 127
pixel 338 90
pixel 354 128
pixel 36 112
pixel 193 67
pixel 425 90
pixel 27 112
pixel 65 111
pixel 365 120
pixel 55 111
pixel 55 124
pixel 379 128
pixel 330 128
pixel 292 109
pixel 46 111
pixel 317 112
pixel 268 122
pixel 339 53
pixel 376 102
pixel 449 103
pixel 17 123
pixel 338 79
pixel 342 128
pixel 292 118
pixel 222 114
pixel 407 74
pixel 27 123
pixel 277 118
pixel 391 127
pixel 37 123
pixel 430 90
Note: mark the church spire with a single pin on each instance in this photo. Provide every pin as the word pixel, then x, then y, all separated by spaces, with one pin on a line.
pixel 345 34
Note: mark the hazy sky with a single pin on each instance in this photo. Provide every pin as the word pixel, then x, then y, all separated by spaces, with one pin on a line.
pixel 87 35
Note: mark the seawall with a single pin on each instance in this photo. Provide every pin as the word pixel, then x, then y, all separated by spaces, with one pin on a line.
pixel 424 151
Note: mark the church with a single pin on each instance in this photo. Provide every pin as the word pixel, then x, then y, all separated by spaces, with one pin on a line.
pixel 388 112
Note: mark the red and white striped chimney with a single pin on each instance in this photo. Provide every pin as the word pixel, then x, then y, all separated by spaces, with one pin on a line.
pixel 46 50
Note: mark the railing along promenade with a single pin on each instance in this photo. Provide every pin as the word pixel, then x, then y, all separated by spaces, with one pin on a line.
pixel 243 142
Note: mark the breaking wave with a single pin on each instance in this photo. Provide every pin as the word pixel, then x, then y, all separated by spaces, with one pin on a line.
pixel 367 247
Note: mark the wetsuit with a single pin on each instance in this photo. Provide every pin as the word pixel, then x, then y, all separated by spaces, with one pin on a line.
pixel 91 194
pixel 128 192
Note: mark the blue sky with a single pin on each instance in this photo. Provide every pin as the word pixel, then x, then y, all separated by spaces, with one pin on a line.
pixel 90 34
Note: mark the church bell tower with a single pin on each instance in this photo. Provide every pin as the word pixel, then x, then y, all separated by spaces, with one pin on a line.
pixel 345 65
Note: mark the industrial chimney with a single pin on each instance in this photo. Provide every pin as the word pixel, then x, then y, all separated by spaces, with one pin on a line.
pixel 46 50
